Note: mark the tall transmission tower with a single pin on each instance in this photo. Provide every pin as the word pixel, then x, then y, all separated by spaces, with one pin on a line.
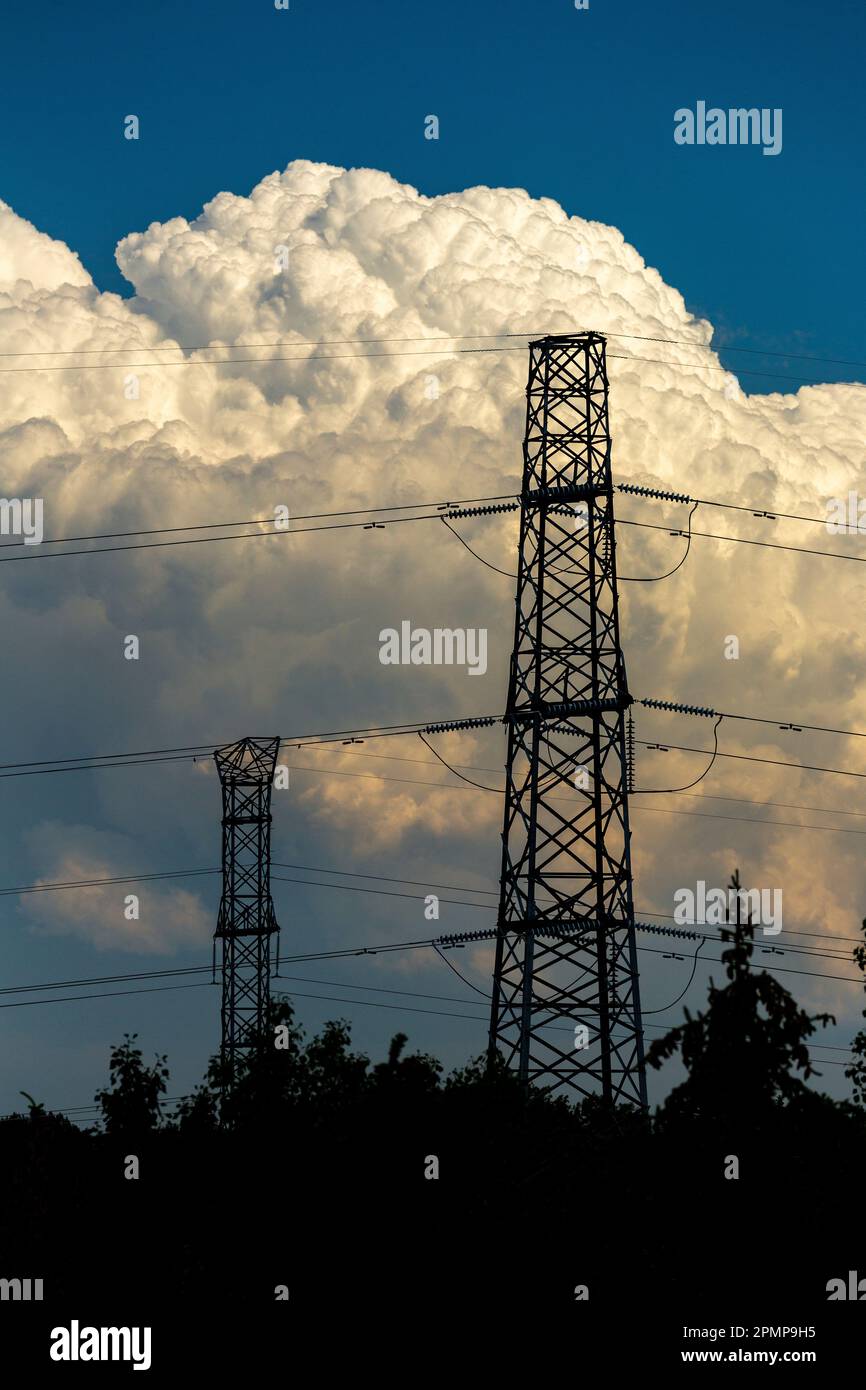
pixel 246 922
pixel 565 948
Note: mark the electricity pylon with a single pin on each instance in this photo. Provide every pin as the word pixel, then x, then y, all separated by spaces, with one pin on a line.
pixel 246 922
pixel 566 959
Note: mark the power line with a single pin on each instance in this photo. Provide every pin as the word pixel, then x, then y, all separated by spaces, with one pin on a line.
pixel 307 868
pixel 673 791
pixel 311 868
pixel 750 801
pixel 644 493
pixel 317 741
pixel 208 540
pixel 658 494
pixel 692 796
pixel 687 535
pixel 111 994
pixel 494 892
pixel 743 540
pixel 761 352
pixel 673 707
pixel 280 343
pixel 772 969
pixel 95 762
pixel 339 1000
pixel 697 796
pixel 174 1100
pixel 665 1007
pixel 124 977
pixel 259 521
pixel 748 820
pixel 422 943
pixel 490 907
pixel 260 361
pixel 371 356
pixel 385 878
pixel 338 356
pixel 507 574
pixel 380 892
pixel 374 1002
pixel 164 1102
pixel 753 758
pixel 428 338
pixel 657 578
pixel 102 882
pixel 643 810
pixel 28 554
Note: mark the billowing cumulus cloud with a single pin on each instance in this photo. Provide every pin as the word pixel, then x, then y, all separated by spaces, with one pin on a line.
pixel 281 634
pixel 141 917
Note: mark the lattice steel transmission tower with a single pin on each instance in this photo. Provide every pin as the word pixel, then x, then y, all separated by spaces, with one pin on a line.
pixel 565 948
pixel 246 923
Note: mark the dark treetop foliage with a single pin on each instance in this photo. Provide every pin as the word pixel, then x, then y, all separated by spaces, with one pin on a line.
pixel 856 1073
pixel 306 1164
pixel 742 1054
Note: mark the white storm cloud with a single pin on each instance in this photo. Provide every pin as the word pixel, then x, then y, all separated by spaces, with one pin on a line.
pixel 282 634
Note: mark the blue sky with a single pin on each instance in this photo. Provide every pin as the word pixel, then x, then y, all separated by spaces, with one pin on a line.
pixel 573 105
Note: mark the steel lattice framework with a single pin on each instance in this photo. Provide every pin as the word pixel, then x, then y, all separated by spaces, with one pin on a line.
pixel 246 922
pixel 565 947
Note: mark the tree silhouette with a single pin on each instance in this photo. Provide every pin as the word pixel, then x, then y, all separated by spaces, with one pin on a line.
pixel 340 1149
pixel 132 1103
pixel 284 1072
pixel 856 1073
pixel 742 1054
pixel 418 1072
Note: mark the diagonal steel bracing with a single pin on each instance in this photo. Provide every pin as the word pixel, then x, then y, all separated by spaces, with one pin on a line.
pixel 565 856
pixel 246 923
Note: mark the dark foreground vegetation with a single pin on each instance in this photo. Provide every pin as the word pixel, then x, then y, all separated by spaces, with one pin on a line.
pixel 307 1170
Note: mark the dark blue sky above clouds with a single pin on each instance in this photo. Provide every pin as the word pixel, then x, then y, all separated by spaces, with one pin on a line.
pixel 572 105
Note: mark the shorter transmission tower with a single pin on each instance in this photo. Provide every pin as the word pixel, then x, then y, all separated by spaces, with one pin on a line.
pixel 246 922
